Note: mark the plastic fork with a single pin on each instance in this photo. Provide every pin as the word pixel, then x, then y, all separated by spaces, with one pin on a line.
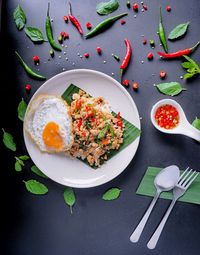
pixel 185 180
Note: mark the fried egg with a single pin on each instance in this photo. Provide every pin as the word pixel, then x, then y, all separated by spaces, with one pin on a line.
pixel 49 124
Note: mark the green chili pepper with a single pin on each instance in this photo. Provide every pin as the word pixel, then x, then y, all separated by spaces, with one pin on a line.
pixel 116 57
pixel 104 25
pixel 49 32
pixel 28 70
pixel 162 33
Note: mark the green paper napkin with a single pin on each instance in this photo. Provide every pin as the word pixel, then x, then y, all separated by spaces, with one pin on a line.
pixel 146 187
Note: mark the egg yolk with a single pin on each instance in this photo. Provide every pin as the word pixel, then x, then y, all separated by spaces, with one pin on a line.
pixel 51 136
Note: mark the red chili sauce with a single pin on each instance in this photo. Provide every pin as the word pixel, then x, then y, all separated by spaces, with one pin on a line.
pixel 167 116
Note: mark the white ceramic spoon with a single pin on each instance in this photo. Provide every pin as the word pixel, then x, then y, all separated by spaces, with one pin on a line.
pixel 183 128
pixel 164 181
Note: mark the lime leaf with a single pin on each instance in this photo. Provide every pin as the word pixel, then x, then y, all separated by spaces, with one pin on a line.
pixel 34 34
pixel 24 157
pixel 188 75
pixel 192 62
pixel 8 141
pixel 178 31
pixel 196 123
pixel 170 89
pixel 37 171
pixel 21 110
pixel 19 17
pixel 69 197
pixel 35 187
pixel 105 8
pixel 187 65
pixel 111 194
pixel 18 166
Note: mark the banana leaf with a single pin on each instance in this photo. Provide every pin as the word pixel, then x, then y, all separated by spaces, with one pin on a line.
pixel 147 188
pixel 130 132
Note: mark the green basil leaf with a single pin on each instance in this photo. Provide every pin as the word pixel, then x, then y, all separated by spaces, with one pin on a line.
pixel 111 194
pixel 20 161
pixel 24 157
pixel 69 197
pixel 188 75
pixel 192 62
pixel 102 132
pixel 8 141
pixel 187 65
pixel 37 171
pixel 196 123
pixel 105 8
pixel 21 110
pixel 191 70
pixel 19 17
pixel 35 187
pixel 170 89
pixel 34 34
pixel 178 31
pixel 18 166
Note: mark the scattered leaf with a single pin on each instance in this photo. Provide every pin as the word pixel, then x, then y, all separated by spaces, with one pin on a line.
pixel 191 66
pixel 35 187
pixel 8 141
pixel 19 17
pixel 105 8
pixel 37 171
pixel 21 109
pixel 188 75
pixel 69 197
pixel 178 31
pixel 170 89
pixel 18 166
pixel 111 194
pixel 196 123
pixel 34 34
pixel 24 157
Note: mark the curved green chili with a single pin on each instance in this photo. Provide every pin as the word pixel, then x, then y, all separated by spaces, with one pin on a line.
pixel 28 70
pixel 49 32
pixel 104 25
pixel 161 32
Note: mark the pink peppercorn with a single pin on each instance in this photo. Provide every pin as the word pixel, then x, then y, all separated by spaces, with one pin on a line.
pixel 135 86
pixel 99 50
pixel 150 56
pixel 36 59
pixel 135 7
pixel 144 41
pixel 123 22
pixel 28 88
pixel 89 25
pixel 64 35
pixel 86 55
pixel 125 83
pixel 65 19
pixel 168 8
pixel 145 7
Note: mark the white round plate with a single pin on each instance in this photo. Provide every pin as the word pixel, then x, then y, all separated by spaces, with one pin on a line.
pixel 73 172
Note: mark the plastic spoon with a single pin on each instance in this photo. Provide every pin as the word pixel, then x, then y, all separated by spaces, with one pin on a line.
pixel 164 181
pixel 184 127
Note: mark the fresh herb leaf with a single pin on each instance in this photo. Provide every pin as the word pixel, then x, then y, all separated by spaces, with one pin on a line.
pixel 170 89
pixel 69 197
pixel 8 141
pixel 196 123
pixel 191 66
pixel 35 187
pixel 21 110
pixel 111 194
pixel 24 157
pixel 102 132
pixel 37 171
pixel 105 8
pixel 87 124
pixel 18 166
pixel 19 17
pixel 178 31
pixel 34 34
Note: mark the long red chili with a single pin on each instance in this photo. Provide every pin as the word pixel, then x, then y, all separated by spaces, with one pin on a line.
pixel 179 53
pixel 127 57
pixel 74 20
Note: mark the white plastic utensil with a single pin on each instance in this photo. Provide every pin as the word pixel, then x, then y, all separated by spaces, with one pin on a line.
pixel 184 127
pixel 164 181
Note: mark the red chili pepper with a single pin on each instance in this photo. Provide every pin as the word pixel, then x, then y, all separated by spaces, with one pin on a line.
pixel 89 112
pixel 36 59
pixel 168 8
pixel 163 74
pixel 28 88
pixel 64 35
pixel 125 83
pixel 74 20
pixel 89 25
pixel 65 19
pixel 123 22
pixel 150 56
pixel 135 7
pixel 86 55
pixel 179 53
pixel 78 104
pixel 127 57
pixel 93 119
pixel 135 86
pixel 99 50
pixel 79 124
pixel 119 122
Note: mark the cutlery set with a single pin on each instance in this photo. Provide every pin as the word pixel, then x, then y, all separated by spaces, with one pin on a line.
pixel 166 180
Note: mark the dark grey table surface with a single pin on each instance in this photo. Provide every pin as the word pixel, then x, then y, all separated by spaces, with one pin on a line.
pixel 43 224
